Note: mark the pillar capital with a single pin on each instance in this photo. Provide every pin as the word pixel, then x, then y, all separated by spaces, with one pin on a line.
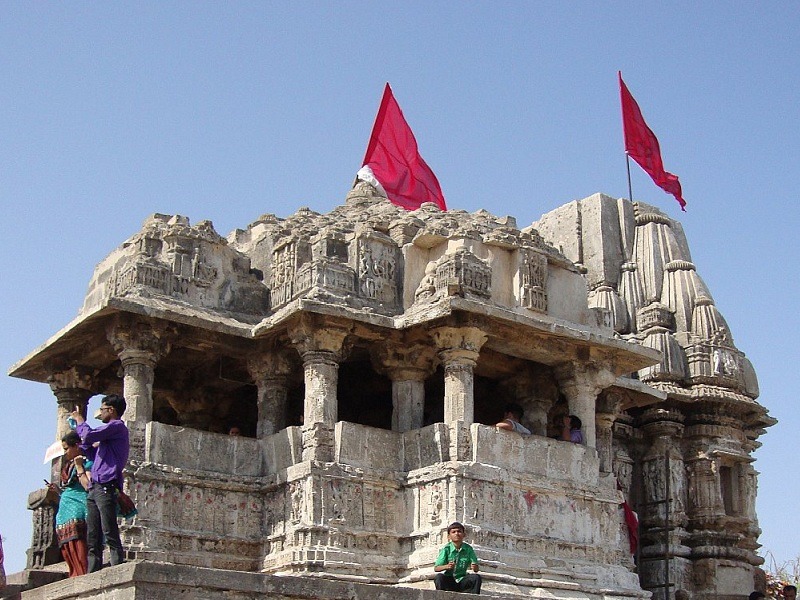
pixel 402 360
pixel 662 423
pixel 590 378
pixel 75 377
pixel 319 342
pixel 274 364
pixel 458 345
pixel 72 388
pixel 139 342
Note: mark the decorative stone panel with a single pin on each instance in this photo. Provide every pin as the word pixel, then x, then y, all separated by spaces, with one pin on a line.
pixel 378 270
pixel 326 277
pixel 533 280
pixel 464 274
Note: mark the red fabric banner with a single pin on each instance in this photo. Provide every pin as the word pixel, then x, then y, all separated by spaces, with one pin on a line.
pixel 394 159
pixel 632 521
pixel 642 146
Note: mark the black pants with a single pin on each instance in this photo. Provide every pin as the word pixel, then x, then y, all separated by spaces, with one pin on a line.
pixel 101 523
pixel 470 584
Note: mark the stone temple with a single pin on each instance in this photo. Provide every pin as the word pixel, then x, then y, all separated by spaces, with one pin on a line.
pixel 366 355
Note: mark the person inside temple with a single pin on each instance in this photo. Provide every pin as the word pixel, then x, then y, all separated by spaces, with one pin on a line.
pixel 511 419
pixel 571 430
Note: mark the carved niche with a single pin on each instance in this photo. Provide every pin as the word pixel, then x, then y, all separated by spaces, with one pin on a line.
pixel 533 280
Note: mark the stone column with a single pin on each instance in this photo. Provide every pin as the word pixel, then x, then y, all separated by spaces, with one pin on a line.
pixel 581 383
pixel 533 394
pixel 72 387
pixel 321 348
pixel 608 407
pixel 604 422
pixel 407 364
pixel 663 516
pixel 459 348
pixel 139 345
pixel 271 370
pixel 625 451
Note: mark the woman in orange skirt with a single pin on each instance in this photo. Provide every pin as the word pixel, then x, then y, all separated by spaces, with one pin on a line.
pixel 71 515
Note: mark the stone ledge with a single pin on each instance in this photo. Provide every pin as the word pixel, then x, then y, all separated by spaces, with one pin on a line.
pixel 164 581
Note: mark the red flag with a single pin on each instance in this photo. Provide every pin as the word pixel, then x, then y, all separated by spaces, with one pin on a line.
pixel 632 521
pixel 393 159
pixel 642 146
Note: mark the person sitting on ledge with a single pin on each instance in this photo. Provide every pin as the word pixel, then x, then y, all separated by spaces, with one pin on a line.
pixel 453 561
pixel 511 419
pixel 572 430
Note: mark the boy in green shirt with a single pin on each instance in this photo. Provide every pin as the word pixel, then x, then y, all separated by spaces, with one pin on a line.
pixel 453 561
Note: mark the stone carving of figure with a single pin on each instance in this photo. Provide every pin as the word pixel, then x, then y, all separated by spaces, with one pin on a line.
pixel 427 287
pixel 716 359
pixel 724 362
pixel 436 505
pixel 297 503
pixel 337 510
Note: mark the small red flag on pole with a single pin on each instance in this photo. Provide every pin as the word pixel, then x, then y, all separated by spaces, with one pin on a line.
pixel 642 146
pixel 393 163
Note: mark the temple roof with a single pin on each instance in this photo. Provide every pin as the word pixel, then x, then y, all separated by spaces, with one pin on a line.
pixel 367 262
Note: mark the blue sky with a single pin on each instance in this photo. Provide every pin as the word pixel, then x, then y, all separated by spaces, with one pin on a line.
pixel 110 112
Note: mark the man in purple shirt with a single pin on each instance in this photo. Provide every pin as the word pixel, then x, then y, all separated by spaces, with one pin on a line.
pixel 107 446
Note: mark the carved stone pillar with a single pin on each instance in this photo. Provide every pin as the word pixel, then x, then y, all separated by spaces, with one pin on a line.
pixel 271 371
pixel 581 383
pixel 625 449
pixel 607 409
pixel 604 423
pixel 407 364
pixel 321 348
pixel 663 507
pixel 459 348
pixel 706 509
pixel 532 393
pixel 665 429
pixel 139 345
pixel 72 387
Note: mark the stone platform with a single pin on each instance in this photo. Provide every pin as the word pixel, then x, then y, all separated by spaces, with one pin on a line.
pixel 139 580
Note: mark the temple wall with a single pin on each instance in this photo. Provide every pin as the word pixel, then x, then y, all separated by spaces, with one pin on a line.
pixel 379 510
pixel 567 296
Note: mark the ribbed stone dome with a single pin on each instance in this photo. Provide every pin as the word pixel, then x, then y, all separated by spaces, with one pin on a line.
pixel 606 297
pixel 673 359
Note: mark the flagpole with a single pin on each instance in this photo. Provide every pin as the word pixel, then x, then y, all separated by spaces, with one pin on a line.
pixel 628 164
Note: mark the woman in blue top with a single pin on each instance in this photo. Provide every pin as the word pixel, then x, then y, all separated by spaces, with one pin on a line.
pixel 71 515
